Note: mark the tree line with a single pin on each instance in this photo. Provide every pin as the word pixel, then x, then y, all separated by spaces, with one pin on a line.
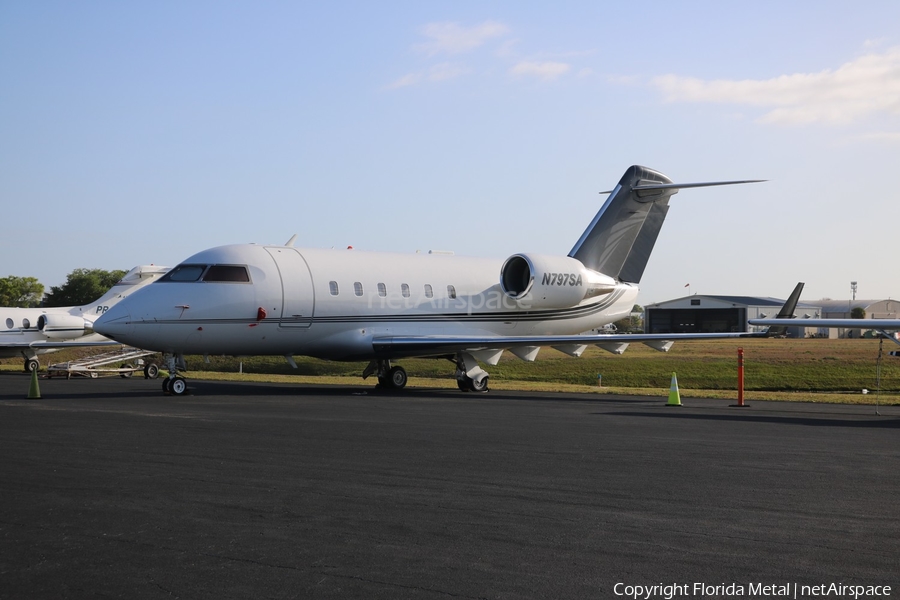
pixel 82 286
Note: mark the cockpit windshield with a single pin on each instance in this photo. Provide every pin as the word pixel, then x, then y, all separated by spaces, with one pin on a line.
pixel 229 273
pixel 184 273
pixel 208 273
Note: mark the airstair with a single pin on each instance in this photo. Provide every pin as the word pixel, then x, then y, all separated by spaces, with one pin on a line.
pixel 123 362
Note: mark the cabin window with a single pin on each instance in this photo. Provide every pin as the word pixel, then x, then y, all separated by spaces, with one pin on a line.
pixel 26 323
pixel 429 292
pixel 227 273
pixel 10 324
pixel 382 290
pixel 333 287
pixel 451 291
pixel 183 273
pixel 357 288
pixel 404 289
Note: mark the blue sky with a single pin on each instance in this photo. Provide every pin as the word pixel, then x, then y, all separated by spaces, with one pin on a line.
pixel 135 133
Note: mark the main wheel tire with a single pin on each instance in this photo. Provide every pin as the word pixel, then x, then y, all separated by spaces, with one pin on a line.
pixel 178 386
pixel 126 374
pixel 479 386
pixel 165 385
pixel 398 378
pixel 464 385
pixel 32 364
pixel 151 371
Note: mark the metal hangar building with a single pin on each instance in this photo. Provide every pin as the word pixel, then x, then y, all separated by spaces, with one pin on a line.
pixel 716 314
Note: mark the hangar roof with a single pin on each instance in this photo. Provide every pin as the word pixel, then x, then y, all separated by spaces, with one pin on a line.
pixel 742 300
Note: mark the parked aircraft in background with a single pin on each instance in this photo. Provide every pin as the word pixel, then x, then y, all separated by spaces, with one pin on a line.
pixel 29 332
pixel 882 326
pixel 351 305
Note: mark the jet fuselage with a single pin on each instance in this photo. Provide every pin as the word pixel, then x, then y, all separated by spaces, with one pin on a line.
pixel 280 300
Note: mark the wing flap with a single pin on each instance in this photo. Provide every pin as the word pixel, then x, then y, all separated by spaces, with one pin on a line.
pixel 412 346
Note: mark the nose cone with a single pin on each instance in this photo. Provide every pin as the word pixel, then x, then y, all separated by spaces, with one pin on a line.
pixel 116 324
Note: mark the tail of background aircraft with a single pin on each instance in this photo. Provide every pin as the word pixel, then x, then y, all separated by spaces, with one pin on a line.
pixel 786 312
pixel 123 287
pixel 619 240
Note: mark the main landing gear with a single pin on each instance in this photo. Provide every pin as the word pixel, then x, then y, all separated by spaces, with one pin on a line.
pixel 174 384
pixel 469 376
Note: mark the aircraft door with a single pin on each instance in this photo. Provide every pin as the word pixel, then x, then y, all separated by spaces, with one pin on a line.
pixel 298 296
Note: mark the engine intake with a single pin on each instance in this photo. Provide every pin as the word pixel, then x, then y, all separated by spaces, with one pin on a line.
pixel 538 281
pixel 64 327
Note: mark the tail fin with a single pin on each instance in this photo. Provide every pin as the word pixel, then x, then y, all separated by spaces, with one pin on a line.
pixel 619 240
pixel 787 311
pixel 135 279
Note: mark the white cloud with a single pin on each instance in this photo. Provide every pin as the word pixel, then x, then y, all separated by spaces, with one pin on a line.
pixel 891 137
pixel 860 88
pixel 546 70
pixel 434 74
pixel 453 38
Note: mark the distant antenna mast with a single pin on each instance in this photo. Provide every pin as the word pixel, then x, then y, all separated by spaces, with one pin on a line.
pixel 853 289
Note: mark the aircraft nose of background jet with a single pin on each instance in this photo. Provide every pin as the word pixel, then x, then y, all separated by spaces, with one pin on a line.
pixel 115 324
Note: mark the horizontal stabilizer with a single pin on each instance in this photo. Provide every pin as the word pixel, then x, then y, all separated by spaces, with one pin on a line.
pixel 684 186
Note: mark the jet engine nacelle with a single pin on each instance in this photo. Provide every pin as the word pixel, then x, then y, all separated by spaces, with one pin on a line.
pixel 64 326
pixel 537 281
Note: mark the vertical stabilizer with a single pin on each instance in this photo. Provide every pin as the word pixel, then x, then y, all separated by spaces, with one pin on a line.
pixel 787 312
pixel 136 278
pixel 619 240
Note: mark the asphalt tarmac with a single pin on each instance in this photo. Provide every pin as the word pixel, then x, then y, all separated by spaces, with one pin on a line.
pixel 110 489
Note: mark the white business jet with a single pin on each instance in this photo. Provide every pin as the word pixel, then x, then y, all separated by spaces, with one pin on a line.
pixel 29 332
pixel 349 305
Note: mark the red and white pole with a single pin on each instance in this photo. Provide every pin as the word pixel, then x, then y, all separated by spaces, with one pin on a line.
pixel 740 401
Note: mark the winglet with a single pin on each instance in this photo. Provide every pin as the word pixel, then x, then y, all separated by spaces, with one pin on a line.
pixel 787 311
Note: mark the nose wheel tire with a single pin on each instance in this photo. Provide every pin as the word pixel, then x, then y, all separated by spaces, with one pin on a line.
pixel 177 386
pixel 32 364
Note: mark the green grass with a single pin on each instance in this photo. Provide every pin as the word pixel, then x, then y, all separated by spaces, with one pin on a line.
pixel 790 369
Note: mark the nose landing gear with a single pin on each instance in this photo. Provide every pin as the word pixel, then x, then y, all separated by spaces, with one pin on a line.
pixel 174 384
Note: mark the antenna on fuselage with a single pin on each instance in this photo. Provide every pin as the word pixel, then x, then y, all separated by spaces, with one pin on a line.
pixel 291 241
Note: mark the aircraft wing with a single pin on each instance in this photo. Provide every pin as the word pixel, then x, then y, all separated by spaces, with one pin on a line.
pixel 523 346
pixel 58 344
pixel 883 324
